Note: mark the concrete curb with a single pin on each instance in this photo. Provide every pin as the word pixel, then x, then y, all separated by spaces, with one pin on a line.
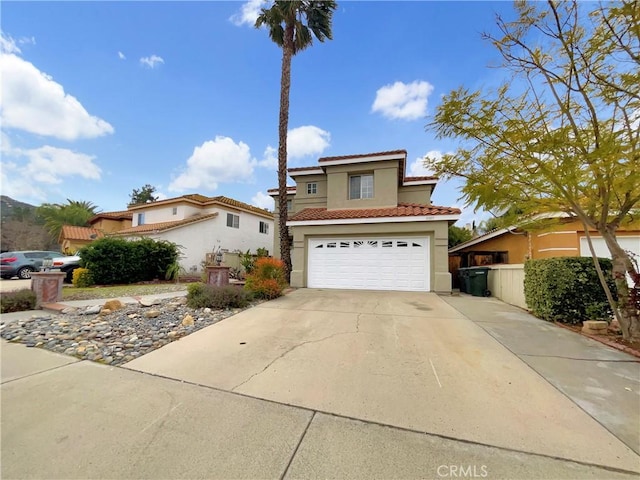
pixel 603 340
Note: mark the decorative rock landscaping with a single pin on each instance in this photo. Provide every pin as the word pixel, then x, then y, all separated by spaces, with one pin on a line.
pixel 113 333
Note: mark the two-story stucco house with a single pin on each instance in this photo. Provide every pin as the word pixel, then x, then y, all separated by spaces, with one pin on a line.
pixel 358 222
pixel 201 225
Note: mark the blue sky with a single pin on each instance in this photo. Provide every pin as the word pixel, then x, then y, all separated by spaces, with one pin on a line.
pixel 100 98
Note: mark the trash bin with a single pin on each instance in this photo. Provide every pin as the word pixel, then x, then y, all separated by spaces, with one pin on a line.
pixel 478 277
pixel 463 277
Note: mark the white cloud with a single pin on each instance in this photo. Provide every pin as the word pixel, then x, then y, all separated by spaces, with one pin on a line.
pixel 406 101
pixel 25 172
pixel 121 56
pixel 8 44
pixel 248 13
pixel 27 40
pixel 215 161
pixel 262 200
pixel 32 101
pixel 152 61
pixel 307 140
pixel 269 158
pixel 417 168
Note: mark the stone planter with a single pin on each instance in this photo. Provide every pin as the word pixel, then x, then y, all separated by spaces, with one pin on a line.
pixel 217 276
pixel 47 286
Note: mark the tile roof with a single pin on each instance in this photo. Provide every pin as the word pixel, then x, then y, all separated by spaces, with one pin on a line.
pixel 162 226
pixel 402 210
pixel 303 169
pixel 120 215
pixel 275 190
pixel 418 179
pixel 362 155
pixel 70 232
pixel 204 201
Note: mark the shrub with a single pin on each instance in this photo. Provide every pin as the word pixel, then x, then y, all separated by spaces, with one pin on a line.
pixel 82 278
pixel 18 301
pixel 567 289
pixel 200 295
pixel 117 260
pixel 267 279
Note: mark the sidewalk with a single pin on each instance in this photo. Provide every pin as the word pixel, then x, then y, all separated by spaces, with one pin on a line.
pixel 601 380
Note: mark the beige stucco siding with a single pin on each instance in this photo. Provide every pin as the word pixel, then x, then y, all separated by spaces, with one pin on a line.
pixel 385 181
pixel 437 231
pixel 415 194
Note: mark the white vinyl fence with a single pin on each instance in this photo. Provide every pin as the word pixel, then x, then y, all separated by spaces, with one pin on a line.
pixel 506 283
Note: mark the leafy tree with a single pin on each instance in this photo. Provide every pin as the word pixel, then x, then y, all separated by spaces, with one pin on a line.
pixel 561 134
pixel 74 212
pixel 458 235
pixel 287 29
pixel 143 195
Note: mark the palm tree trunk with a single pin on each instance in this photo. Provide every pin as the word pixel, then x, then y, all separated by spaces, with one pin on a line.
pixel 283 126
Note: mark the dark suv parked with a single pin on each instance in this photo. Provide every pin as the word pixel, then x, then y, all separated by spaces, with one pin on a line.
pixel 21 264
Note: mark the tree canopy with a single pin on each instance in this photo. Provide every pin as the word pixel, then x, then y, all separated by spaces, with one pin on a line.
pixel 561 134
pixel 77 213
pixel 458 235
pixel 144 194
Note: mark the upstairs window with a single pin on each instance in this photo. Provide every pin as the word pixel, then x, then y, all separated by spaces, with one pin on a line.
pixel 174 211
pixel 233 221
pixel 264 227
pixel 312 188
pixel 289 205
pixel 360 186
pixel 141 219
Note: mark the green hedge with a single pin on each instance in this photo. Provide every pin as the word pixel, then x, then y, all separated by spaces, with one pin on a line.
pixel 113 260
pixel 567 289
pixel 17 301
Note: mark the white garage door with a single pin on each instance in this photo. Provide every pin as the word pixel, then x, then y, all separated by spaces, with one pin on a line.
pixel 398 263
pixel 629 243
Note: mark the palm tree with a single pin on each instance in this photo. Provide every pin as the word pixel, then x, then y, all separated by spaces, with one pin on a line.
pixel 74 212
pixel 286 23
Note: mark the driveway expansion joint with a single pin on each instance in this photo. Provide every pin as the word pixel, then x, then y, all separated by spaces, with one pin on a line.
pixel 386 425
pixel 578 359
pixel 295 450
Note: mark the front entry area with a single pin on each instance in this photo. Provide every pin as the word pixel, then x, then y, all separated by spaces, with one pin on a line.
pixel 369 263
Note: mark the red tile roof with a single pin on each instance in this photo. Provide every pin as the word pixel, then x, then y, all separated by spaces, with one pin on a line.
pixel 275 190
pixel 70 232
pixel 362 155
pixel 418 179
pixel 402 210
pixel 162 226
pixel 120 215
pixel 303 169
pixel 201 200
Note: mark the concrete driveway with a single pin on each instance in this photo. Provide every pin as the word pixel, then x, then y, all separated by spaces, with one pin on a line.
pixel 407 360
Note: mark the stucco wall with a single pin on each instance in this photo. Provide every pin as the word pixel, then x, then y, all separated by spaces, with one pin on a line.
pixel 415 194
pixel 164 213
pixel 516 244
pixel 437 232
pixel 385 181
pixel 108 225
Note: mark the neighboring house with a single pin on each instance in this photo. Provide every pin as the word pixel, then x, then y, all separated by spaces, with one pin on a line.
pixel 109 222
pixel 358 222
pixel 201 225
pixel 564 237
pixel 72 238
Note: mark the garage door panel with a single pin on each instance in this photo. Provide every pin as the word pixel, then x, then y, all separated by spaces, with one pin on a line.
pixel 369 263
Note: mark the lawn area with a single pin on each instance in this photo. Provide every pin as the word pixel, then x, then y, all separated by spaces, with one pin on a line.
pixel 73 293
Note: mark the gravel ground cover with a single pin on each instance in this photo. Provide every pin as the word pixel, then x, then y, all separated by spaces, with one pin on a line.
pixel 113 335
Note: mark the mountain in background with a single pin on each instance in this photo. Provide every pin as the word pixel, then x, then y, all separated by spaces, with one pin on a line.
pixel 21 228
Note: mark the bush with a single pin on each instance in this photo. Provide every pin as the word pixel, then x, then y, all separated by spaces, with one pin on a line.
pixel 267 279
pixel 117 260
pixel 200 295
pixel 18 301
pixel 82 278
pixel 567 289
